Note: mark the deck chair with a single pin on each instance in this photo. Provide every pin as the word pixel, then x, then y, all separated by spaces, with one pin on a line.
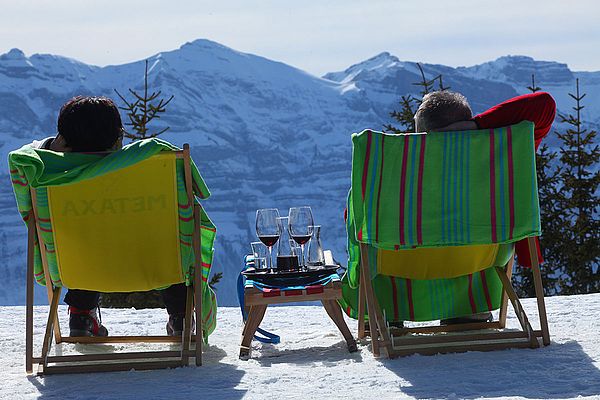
pixel 432 222
pixel 115 222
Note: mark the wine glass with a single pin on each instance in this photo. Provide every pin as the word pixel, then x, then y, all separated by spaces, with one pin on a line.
pixel 300 226
pixel 268 229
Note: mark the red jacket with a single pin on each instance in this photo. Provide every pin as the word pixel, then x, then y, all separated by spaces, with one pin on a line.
pixel 538 108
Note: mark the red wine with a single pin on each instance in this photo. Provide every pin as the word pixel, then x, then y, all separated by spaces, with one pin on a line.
pixel 286 263
pixel 269 240
pixel 301 239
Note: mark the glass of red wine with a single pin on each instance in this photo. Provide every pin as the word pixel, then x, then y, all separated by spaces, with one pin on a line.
pixel 301 226
pixel 268 229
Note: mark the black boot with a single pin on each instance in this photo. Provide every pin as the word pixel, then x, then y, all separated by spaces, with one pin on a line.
pixel 85 323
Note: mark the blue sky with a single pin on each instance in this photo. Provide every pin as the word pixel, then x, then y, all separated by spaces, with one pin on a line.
pixel 317 36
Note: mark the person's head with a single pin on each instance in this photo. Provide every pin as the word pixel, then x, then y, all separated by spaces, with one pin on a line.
pixel 440 109
pixel 89 124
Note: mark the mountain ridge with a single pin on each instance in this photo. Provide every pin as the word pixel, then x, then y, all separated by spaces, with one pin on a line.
pixel 263 133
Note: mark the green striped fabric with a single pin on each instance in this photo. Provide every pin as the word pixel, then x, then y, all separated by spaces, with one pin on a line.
pixel 427 300
pixel 435 190
pixel 440 189
pixel 419 299
pixel 38 168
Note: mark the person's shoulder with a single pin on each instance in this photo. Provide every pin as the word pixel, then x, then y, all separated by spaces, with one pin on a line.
pixel 43 143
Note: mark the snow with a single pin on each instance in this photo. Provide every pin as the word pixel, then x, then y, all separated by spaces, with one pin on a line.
pixel 312 361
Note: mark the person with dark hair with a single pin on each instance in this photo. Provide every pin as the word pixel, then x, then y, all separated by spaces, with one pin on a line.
pixel 93 124
pixel 450 111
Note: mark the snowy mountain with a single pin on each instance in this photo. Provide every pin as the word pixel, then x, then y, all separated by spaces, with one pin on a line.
pixel 312 362
pixel 263 133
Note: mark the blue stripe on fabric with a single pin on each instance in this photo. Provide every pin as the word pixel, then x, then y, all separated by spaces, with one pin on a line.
pixel 444 174
pixel 455 188
pixel 478 289
pixel 467 190
pixel 447 183
pixel 42 196
pixel 322 281
pixel 411 225
pixel 401 289
pixel 440 297
pixel 432 295
pixel 534 202
pixel 373 166
pixel 501 184
pixel 452 298
pixel 461 192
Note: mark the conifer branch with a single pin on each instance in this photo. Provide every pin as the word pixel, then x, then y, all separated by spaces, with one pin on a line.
pixel 143 110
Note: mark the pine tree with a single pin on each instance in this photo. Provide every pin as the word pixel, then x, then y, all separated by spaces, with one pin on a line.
pixel 143 110
pixel 551 239
pixel 580 175
pixel 409 104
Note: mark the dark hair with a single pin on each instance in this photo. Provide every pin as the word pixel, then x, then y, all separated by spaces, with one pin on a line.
pixel 441 108
pixel 90 123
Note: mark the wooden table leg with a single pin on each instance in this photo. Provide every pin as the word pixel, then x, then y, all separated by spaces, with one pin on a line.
pixel 334 312
pixel 255 317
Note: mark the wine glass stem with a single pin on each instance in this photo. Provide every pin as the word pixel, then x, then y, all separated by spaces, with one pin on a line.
pixel 270 266
pixel 302 250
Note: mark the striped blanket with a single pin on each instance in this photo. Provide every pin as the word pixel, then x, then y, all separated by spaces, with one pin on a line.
pixel 430 190
pixel 39 169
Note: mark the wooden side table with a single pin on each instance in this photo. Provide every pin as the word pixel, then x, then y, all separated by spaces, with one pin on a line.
pixel 256 302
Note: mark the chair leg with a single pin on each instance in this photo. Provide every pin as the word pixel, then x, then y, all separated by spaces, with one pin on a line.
pixel 361 310
pixel 187 327
pixel 333 310
pixel 377 325
pixel 504 303
pixel 33 219
pixel 519 311
pixel 255 317
pixel 50 327
pixel 197 278
pixel 199 323
pixel 539 291
pixel 373 331
pixel 29 311
pixel 381 325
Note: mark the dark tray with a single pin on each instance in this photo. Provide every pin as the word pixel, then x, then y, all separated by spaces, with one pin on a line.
pixel 289 278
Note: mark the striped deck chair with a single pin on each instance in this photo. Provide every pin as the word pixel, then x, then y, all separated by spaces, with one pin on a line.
pixel 432 222
pixel 115 222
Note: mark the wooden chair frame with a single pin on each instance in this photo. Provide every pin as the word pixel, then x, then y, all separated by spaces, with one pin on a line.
pixel 411 342
pixel 122 361
pixel 256 306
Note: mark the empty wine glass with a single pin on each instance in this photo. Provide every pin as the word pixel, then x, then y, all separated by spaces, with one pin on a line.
pixel 300 226
pixel 268 229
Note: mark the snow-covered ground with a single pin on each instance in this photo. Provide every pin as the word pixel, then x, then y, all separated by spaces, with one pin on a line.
pixel 311 362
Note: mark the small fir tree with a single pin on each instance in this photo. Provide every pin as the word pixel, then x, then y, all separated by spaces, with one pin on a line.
pixel 533 88
pixel 142 110
pixel 579 175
